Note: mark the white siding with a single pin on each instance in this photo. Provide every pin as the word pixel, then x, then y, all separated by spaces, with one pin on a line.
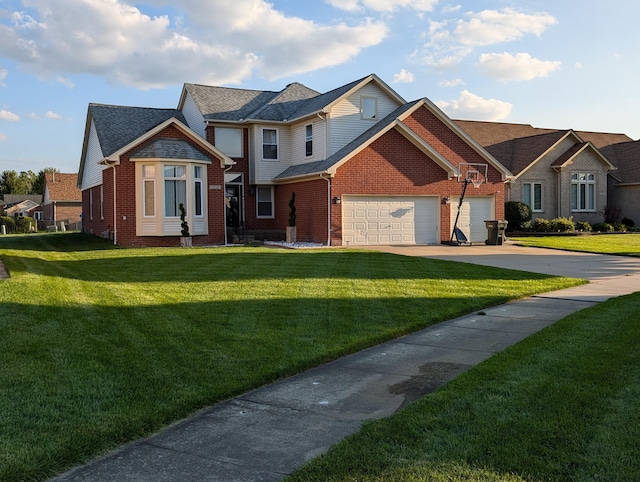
pixel 92 174
pixel 346 121
pixel 266 170
pixel 194 117
pixel 298 136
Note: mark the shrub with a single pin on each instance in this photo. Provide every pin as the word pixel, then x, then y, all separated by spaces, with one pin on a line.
pixel 25 224
pixel 583 226
pixel 517 214
pixel 9 223
pixel 620 227
pixel 603 227
pixel 611 214
pixel 628 222
pixel 562 225
pixel 541 225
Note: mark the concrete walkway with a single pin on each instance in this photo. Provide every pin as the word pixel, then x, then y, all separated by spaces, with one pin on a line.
pixel 265 434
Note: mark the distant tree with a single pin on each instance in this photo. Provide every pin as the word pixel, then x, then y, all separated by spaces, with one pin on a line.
pixel 38 185
pixel 13 183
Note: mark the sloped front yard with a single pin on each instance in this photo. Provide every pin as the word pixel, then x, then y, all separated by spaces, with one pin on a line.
pixel 99 346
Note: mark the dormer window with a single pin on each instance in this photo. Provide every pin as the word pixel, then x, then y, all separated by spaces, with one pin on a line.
pixel 369 107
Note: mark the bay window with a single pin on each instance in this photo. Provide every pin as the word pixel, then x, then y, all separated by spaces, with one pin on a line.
pixel 175 190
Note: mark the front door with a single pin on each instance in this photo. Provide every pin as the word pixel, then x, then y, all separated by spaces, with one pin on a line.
pixel 234 201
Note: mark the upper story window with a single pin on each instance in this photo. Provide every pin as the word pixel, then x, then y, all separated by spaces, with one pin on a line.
pixel 229 140
pixel 175 190
pixel 369 107
pixel 270 144
pixel 532 195
pixel 583 191
pixel 308 130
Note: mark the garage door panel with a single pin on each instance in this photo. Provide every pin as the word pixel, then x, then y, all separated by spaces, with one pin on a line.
pixel 390 220
pixel 473 213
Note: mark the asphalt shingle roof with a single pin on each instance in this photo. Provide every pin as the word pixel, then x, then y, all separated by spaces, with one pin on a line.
pixel 62 187
pixel 117 126
pixel 169 149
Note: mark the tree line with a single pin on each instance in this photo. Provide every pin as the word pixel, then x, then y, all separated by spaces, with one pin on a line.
pixel 25 182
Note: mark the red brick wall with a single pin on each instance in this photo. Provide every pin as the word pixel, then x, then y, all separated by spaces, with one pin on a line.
pixel 126 203
pixel 311 209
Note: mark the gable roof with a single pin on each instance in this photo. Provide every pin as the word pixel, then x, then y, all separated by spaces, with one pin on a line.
pixel 17 198
pixel 295 101
pixel 61 187
pixel 519 146
pixel 391 121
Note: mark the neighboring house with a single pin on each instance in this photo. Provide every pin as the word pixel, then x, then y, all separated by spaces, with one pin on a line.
pixel 366 167
pixel 62 200
pixel 21 204
pixel 558 173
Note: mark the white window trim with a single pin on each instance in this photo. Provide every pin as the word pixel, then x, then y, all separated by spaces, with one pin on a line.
pixel 362 102
pixel 532 191
pixel 587 182
pixel 196 181
pixel 308 139
pixel 273 207
pixel 277 144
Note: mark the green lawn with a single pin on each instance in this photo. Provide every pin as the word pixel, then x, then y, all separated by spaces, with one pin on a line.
pixel 99 346
pixel 621 244
pixel 560 405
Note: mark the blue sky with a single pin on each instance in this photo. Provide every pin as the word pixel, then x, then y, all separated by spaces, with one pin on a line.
pixel 555 64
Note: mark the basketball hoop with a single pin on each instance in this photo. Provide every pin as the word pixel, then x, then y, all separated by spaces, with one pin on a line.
pixel 469 173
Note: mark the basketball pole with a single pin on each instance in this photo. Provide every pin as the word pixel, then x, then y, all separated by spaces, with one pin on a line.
pixel 455 225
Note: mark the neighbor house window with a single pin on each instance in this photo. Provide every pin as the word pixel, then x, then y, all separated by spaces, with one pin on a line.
pixel 583 191
pixel 270 144
pixel 229 140
pixel 369 108
pixel 532 195
pixel 264 200
pixel 308 130
pixel 175 189
pixel 149 190
pixel 197 188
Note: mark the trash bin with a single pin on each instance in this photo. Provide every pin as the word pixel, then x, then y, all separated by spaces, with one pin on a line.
pixel 495 232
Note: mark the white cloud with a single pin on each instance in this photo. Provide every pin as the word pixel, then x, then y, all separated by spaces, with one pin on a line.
pixel 3 77
pixel 33 115
pixel 382 5
pixel 451 83
pixel 474 107
pixel 516 67
pixel 403 77
pixel 8 116
pixel 491 27
pixel 210 41
pixel 52 115
pixel 450 41
pixel 3 137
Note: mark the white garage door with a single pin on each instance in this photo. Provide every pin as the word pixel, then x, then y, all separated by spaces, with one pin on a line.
pixel 389 220
pixel 473 214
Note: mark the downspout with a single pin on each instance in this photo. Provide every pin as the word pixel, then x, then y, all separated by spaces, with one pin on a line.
pixel 328 179
pixel 113 166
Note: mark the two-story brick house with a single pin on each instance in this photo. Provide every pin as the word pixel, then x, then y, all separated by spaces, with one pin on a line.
pixel 366 166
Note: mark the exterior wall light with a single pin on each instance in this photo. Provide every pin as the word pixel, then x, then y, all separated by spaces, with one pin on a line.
pixel 337 200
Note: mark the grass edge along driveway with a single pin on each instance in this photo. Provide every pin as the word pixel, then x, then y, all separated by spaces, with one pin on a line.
pixel 100 346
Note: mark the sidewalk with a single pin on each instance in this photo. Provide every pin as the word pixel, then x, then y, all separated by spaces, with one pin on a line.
pixel 265 434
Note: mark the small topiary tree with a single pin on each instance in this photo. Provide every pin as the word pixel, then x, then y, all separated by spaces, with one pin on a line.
pixel 517 214
pixel 292 209
pixel 183 224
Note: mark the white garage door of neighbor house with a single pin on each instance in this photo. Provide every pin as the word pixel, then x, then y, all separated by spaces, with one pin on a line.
pixel 473 214
pixel 389 220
